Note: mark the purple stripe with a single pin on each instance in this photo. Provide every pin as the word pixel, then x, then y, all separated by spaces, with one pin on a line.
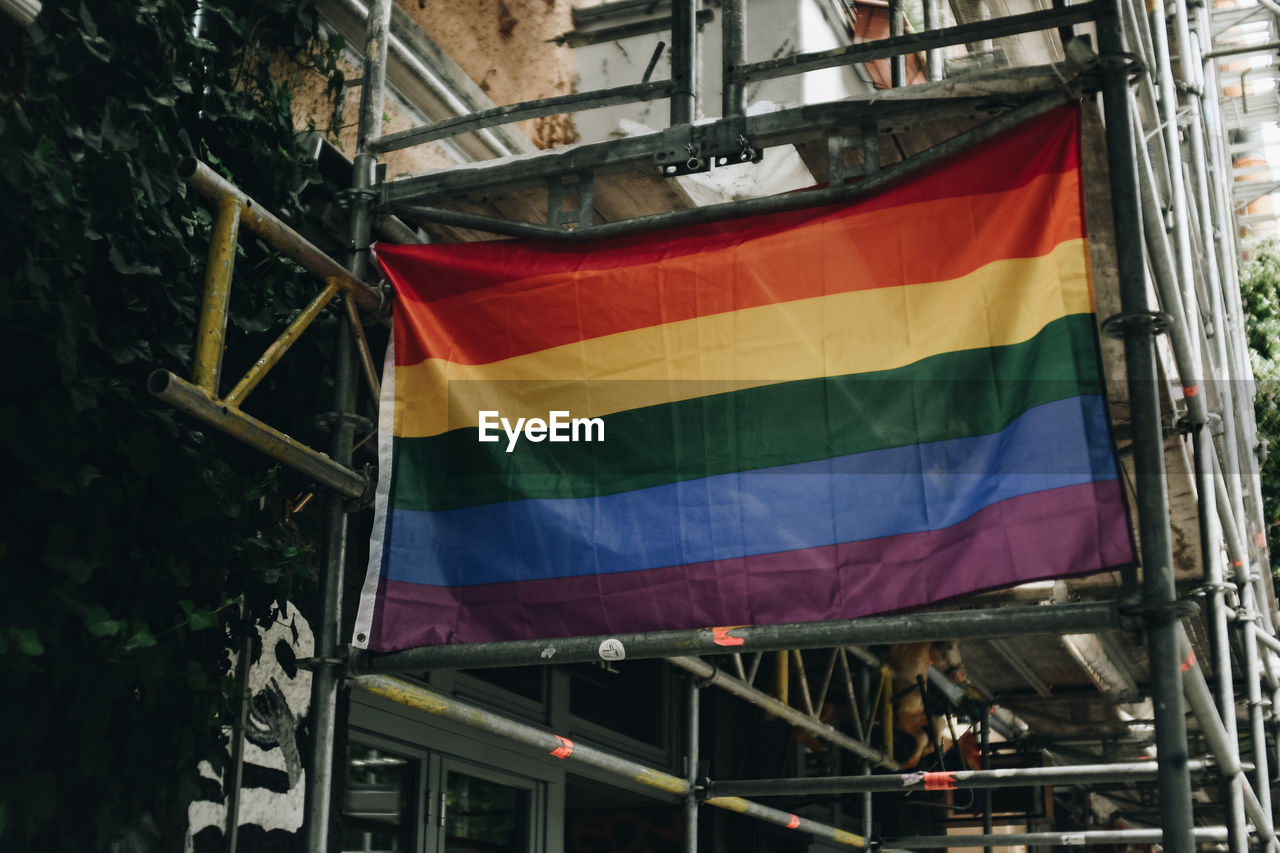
pixel 1067 531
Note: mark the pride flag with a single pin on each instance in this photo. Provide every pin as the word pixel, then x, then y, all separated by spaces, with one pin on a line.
pixel 807 416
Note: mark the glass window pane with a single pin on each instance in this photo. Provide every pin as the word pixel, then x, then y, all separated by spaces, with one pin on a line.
pixel 377 812
pixel 627 697
pixel 481 815
pixel 527 681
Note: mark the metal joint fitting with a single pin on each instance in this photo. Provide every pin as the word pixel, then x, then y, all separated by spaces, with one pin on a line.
pixel 706 681
pixel 329 420
pixel 349 197
pixel 370 472
pixel 1120 326
pixel 382 311
pixel 1164 611
pixel 1130 63
pixel 1186 425
pixel 314 664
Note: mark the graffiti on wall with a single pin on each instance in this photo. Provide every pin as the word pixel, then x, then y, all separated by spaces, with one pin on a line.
pixel 270 808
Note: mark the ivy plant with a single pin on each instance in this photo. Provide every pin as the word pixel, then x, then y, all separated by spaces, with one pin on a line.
pixel 137 548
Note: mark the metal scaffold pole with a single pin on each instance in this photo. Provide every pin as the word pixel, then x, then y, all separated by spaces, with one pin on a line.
pixel 1148 439
pixel 328 673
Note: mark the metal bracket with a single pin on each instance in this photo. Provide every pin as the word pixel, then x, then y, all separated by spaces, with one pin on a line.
pixel 582 216
pixel 689 149
pixel 1162 611
pixel 1185 426
pixel 1121 325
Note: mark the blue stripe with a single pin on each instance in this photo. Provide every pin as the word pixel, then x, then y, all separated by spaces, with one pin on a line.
pixel 846 499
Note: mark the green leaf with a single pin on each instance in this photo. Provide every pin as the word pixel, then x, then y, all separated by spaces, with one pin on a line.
pixel 141 639
pixel 202 619
pixel 100 624
pixel 27 642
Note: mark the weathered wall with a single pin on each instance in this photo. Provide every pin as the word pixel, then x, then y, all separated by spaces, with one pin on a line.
pixel 505 47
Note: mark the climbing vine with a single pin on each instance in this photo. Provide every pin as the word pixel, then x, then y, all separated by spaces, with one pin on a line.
pixel 132 540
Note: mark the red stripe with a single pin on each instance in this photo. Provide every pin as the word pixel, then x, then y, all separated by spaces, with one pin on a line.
pixel 479 302
pixel 943 781
pixel 722 637
pixel 1069 531
pixel 564 750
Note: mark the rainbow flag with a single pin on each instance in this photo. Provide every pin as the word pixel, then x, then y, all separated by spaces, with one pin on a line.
pixel 808 416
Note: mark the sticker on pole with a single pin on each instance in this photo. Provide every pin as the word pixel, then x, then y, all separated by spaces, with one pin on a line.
pixel 612 650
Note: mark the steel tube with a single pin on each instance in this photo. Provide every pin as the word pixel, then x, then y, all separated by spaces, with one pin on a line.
pixel 1219 641
pixel 747 207
pixel 791 125
pixel 933 57
pixel 1177 191
pixel 362 349
pixel 985 757
pixel 446 707
pixel 790 821
pixel 1265 47
pixel 231 830
pixel 684 60
pixel 932 39
pixel 897 63
pixel 1167 278
pixel 1063 839
pixel 211 329
pixel 1083 774
pixel 1069 618
pixel 280 346
pixel 637 93
pixel 275 233
pixel 693 709
pixel 701 669
pixel 1224 748
pixel 253 432
pixel 733 36
pixel 321 785
pixel 1148 439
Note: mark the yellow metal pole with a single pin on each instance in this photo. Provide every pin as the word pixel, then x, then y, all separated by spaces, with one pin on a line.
pixel 276 233
pixel 199 403
pixel 886 709
pixel 280 346
pixel 212 328
pixel 362 347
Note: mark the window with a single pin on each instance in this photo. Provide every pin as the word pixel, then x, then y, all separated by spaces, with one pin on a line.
pixel 379 800
pixel 400 800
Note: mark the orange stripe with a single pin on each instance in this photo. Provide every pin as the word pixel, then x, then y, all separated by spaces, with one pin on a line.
pixel 841 251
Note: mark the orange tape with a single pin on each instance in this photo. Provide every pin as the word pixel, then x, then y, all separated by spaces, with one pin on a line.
pixel 1189 662
pixel 1237 563
pixel 720 636
pixel 564 750
pixel 942 781
pixel 1191 390
pixel 794 822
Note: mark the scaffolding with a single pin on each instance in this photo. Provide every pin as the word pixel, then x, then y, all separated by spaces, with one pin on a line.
pixel 1169 156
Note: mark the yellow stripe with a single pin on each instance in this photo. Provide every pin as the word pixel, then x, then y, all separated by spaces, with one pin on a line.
pixel 1005 302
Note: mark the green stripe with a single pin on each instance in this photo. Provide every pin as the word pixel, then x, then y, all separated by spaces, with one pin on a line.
pixel 954 395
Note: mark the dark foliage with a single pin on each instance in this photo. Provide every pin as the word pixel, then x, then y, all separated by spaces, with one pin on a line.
pixel 131 538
